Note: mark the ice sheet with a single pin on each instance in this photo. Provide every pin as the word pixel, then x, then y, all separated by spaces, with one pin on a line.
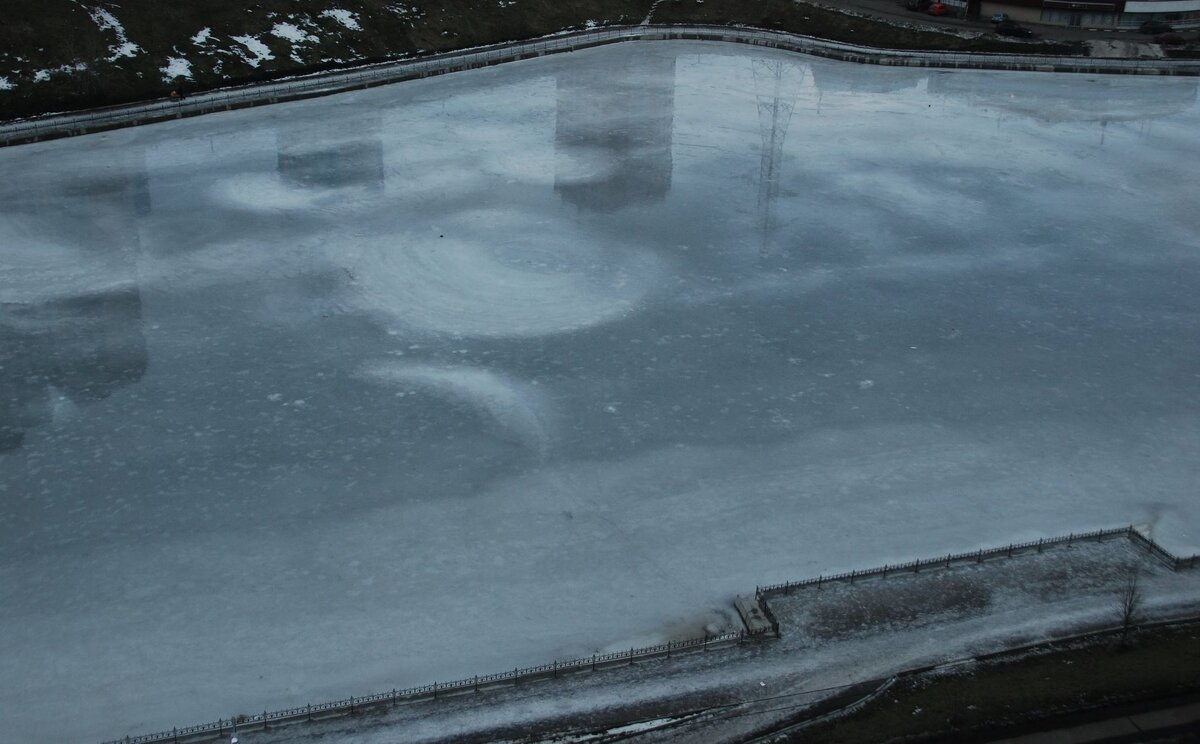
pixel 469 373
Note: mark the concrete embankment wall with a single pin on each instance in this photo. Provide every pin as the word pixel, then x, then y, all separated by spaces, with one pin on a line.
pixel 97 120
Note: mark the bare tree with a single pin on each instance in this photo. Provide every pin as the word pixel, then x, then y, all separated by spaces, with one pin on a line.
pixel 1129 604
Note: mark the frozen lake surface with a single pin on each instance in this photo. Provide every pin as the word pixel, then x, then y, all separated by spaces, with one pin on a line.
pixel 453 376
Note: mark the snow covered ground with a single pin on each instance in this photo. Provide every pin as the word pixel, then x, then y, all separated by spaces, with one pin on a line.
pixel 449 377
pixel 840 635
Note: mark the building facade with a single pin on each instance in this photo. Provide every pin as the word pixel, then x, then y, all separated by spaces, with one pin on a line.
pixel 1116 14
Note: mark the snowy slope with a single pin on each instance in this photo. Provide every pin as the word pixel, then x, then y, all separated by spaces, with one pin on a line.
pixel 91 52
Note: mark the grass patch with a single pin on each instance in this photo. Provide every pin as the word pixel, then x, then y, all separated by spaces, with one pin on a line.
pixel 58 58
pixel 1004 693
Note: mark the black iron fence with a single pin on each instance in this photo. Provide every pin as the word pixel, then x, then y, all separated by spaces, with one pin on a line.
pixel 1175 563
pixel 595 662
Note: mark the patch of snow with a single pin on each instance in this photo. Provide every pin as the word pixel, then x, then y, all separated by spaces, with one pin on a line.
pixel 260 50
pixel 344 17
pixel 41 76
pixel 608 734
pixel 108 22
pixel 202 36
pixel 176 67
pixel 405 11
pixel 5 84
pixel 127 49
pixel 292 33
pixel 1117 49
pixel 632 728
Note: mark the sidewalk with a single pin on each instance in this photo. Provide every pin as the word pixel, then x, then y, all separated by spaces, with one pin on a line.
pixel 1165 722
pixel 833 639
pixel 893 12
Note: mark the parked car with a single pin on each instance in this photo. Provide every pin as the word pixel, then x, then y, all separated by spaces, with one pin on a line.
pixel 999 17
pixel 939 9
pixel 1009 28
pixel 1171 39
pixel 1155 27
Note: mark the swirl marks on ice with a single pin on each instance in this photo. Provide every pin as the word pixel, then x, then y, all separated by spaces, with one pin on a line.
pixel 518 409
pixel 261 191
pixel 501 279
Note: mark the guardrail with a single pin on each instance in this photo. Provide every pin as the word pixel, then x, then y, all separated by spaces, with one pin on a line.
pixel 1175 563
pixel 266 719
pixel 66 125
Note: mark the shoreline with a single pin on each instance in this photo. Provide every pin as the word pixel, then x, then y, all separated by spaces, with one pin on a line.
pixel 55 126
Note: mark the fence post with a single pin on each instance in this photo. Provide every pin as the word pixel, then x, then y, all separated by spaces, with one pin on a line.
pixel 175 734
pixel 947 560
pixel 351 703
pixel 668 648
pixel 310 705
pixel 1039 544
pixel 435 690
pixel 979 556
pixel 631 656
pixel 554 670
pixel 476 683
pixel 593 662
pixel 706 640
pixel 393 697
pixel 851 577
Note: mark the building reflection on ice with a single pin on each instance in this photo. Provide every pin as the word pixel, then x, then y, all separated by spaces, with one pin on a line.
pixel 613 132
pixel 332 152
pixel 777 84
pixel 838 77
pixel 1059 98
pixel 71 317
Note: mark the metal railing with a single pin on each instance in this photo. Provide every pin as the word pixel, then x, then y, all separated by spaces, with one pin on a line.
pixel 1175 563
pixel 667 650
pixel 266 719
pixel 65 125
